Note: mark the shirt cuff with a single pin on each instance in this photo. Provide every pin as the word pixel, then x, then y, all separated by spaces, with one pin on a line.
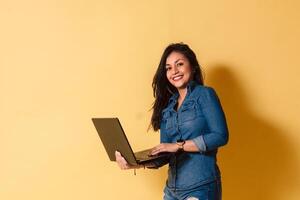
pixel 199 141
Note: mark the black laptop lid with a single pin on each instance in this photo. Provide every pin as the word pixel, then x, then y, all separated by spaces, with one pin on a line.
pixel 113 138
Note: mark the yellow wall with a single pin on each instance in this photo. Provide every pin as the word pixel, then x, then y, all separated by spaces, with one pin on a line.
pixel 63 62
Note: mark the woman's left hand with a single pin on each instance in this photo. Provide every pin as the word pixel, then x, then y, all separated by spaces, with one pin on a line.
pixel 164 147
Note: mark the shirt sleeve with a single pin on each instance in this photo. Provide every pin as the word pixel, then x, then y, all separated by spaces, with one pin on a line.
pixel 217 134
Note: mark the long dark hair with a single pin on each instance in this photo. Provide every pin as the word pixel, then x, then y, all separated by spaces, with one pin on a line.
pixel 162 89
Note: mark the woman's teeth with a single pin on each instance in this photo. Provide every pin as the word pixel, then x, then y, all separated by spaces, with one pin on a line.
pixel 177 78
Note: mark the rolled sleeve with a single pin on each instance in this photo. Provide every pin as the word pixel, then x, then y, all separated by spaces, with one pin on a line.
pixel 217 131
pixel 199 141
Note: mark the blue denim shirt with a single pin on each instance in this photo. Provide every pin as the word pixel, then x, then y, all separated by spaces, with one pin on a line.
pixel 201 119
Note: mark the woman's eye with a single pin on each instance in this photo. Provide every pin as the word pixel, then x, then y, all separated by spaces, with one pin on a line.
pixel 179 64
pixel 168 68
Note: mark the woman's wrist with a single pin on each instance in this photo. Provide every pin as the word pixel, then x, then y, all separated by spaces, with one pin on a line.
pixel 180 145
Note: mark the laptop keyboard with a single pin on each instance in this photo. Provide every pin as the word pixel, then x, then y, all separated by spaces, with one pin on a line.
pixel 142 155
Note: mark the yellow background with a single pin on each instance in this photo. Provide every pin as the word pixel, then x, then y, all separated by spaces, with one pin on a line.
pixel 64 62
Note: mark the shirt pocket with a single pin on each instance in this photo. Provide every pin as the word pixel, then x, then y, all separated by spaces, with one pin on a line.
pixel 167 119
pixel 188 111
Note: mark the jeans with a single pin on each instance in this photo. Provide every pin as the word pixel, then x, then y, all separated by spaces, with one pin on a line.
pixel 209 191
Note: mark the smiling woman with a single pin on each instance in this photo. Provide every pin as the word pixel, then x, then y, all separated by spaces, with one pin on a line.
pixel 178 70
pixel 192 127
pixel 178 73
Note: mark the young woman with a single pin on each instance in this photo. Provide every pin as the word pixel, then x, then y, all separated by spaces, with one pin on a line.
pixel 192 126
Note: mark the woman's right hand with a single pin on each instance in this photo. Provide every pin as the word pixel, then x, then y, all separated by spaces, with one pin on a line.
pixel 123 164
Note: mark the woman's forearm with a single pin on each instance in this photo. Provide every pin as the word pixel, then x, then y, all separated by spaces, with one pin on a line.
pixel 190 146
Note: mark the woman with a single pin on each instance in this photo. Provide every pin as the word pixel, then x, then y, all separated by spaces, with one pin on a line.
pixel 192 126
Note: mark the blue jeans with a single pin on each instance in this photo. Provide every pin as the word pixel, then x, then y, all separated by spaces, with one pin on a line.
pixel 209 191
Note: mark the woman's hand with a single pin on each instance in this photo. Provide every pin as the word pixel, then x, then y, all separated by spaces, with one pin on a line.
pixel 123 164
pixel 164 147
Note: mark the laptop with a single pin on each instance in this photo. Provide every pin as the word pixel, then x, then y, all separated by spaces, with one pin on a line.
pixel 114 139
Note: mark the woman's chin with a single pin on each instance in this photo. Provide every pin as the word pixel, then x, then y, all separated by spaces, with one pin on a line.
pixel 180 86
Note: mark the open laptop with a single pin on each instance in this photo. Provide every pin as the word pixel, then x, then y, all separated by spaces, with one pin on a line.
pixel 114 139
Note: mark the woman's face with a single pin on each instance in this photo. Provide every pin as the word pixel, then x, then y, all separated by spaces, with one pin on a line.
pixel 178 70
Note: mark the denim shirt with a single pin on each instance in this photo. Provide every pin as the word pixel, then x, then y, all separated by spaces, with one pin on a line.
pixel 201 119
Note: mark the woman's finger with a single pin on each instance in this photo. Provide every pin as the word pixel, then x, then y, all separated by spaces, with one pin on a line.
pixel 122 163
pixel 155 151
pixel 117 154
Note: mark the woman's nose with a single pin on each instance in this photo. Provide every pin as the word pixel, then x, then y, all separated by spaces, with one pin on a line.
pixel 175 70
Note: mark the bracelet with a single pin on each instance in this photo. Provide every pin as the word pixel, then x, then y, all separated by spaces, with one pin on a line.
pixel 180 144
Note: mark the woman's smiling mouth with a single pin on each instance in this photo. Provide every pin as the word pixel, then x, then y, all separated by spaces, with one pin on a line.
pixel 177 78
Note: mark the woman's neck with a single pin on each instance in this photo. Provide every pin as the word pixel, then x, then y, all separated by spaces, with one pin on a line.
pixel 182 93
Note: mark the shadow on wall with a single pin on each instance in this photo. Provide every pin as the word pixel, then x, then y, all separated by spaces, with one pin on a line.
pixel 258 162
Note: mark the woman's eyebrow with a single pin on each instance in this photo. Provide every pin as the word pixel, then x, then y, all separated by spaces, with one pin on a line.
pixel 178 60
pixel 175 61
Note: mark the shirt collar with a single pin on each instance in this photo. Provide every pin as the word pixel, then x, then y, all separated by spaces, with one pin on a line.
pixel 190 86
